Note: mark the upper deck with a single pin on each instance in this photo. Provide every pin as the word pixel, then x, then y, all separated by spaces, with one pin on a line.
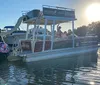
pixel 60 14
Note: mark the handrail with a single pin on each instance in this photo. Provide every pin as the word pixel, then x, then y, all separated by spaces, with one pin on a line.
pixel 57 7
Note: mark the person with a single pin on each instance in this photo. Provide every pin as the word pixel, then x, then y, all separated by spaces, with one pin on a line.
pixel 40 30
pixel 64 35
pixel 59 32
pixel 69 32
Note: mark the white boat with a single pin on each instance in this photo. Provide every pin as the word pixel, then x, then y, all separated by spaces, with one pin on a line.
pixel 49 47
pixel 14 36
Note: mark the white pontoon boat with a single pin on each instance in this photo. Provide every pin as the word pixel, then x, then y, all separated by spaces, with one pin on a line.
pixel 50 47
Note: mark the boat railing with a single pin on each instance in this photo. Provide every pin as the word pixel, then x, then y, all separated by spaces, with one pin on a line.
pixel 57 7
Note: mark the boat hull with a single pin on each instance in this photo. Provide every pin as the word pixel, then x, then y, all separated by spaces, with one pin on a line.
pixel 65 62
pixel 60 53
pixel 3 56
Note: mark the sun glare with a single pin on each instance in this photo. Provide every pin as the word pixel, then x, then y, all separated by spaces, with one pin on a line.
pixel 93 12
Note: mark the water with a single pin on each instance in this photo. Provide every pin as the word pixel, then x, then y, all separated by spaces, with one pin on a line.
pixel 76 70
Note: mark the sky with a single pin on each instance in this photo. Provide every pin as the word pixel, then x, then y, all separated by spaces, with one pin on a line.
pixel 11 10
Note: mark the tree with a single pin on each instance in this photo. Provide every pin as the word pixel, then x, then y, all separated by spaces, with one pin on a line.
pixel 81 31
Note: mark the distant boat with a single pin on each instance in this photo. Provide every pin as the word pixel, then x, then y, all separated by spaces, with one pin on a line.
pixel 17 34
pixel 14 35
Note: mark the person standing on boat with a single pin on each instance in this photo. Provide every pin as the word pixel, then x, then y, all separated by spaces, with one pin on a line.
pixel 69 32
pixel 59 32
pixel 64 35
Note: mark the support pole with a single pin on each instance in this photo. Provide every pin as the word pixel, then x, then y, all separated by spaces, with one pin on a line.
pixel 33 32
pixel 44 36
pixel 73 33
pixel 52 34
pixel 33 40
pixel 37 28
pixel 27 31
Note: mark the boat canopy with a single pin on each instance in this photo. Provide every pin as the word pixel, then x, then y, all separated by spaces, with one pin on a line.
pixel 60 14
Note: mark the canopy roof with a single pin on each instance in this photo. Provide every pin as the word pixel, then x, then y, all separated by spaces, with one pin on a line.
pixel 59 14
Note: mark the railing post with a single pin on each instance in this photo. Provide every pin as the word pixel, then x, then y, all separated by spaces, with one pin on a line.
pixel 44 36
pixel 52 34
pixel 73 33
pixel 27 31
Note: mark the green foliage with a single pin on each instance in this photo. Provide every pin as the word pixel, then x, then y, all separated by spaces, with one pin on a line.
pixel 91 29
pixel 81 31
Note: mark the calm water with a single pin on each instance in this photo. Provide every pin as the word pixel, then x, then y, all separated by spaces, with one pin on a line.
pixel 76 70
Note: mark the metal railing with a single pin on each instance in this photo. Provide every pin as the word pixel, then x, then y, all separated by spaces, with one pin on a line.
pixel 57 7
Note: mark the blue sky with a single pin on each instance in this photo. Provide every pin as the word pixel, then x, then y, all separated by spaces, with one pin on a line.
pixel 11 10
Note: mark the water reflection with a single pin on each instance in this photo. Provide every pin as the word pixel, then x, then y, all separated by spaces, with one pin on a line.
pixel 74 70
